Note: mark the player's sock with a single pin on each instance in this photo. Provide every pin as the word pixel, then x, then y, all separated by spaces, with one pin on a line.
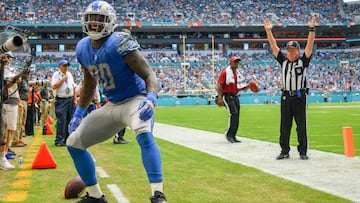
pixel 94 191
pixel 151 157
pixel 156 187
pixel 84 164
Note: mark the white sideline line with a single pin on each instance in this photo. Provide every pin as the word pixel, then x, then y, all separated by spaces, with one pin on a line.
pixel 102 173
pixel 328 172
pixel 117 193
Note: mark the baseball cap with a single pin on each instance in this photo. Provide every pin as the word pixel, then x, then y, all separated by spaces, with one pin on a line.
pixel 293 44
pixel 64 62
pixel 234 58
pixel 9 54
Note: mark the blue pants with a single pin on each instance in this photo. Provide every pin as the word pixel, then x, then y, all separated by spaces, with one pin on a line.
pixel 64 108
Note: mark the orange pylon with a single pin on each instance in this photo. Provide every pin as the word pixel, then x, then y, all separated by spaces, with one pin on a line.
pixel 348 142
pixel 44 158
pixel 49 130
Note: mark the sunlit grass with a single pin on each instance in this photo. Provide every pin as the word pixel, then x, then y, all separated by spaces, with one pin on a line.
pixel 192 176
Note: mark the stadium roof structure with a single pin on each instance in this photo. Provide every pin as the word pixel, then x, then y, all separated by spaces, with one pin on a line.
pixel 172 33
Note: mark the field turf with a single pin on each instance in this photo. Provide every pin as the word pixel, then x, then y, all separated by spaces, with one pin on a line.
pixel 190 176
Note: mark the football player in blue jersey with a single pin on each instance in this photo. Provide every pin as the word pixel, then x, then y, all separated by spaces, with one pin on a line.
pixel 114 60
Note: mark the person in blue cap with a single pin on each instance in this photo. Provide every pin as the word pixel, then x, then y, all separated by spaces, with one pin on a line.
pixel 63 83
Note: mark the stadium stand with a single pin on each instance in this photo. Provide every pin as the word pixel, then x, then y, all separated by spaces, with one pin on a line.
pixel 340 67
pixel 206 11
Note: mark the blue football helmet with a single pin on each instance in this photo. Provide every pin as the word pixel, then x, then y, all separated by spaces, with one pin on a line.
pixel 99 20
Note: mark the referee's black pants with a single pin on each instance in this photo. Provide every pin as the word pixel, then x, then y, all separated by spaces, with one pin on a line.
pixel 232 104
pixel 293 107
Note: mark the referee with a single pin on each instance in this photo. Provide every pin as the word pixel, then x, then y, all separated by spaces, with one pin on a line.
pixel 294 91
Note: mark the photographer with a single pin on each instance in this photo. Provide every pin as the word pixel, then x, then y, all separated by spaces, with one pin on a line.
pixel 24 91
pixel 9 111
pixel 51 104
pixel 44 107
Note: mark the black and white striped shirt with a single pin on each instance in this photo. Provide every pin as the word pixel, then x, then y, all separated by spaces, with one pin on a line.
pixel 293 73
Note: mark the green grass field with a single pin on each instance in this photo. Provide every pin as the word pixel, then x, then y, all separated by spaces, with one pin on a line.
pixel 262 122
pixel 190 176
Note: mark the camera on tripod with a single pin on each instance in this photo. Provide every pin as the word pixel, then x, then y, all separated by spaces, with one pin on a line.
pixel 40 83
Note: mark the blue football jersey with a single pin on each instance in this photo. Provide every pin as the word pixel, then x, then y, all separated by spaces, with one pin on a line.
pixel 106 64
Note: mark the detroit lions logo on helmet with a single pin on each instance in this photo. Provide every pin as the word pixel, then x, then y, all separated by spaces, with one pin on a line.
pixel 96 6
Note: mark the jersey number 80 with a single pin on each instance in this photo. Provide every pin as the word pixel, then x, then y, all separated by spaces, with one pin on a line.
pixel 103 74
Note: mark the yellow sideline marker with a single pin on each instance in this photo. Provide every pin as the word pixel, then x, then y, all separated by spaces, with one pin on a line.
pixel 348 142
pixel 26 173
pixel 16 196
pixel 18 190
pixel 21 184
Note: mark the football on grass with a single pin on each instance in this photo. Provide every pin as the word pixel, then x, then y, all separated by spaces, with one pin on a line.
pixel 74 188
pixel 253 86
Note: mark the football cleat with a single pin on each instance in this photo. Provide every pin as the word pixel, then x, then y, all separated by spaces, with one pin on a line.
pixel 158 197
pixel 88 199
pixel 119 140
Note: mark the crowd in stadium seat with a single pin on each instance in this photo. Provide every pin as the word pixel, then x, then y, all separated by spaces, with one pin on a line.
pixel 185 11
pixel 199 74
pixel 329 71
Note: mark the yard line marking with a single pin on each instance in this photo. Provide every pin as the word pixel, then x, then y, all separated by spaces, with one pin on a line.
pixel 337 107
pixel 102 173
pixel 117 193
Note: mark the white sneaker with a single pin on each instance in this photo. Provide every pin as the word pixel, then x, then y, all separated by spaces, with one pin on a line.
pixel 5 165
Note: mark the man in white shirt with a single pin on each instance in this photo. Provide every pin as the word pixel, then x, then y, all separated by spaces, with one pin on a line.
pixel 63 83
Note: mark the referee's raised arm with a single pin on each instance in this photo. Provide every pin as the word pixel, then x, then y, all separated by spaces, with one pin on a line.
pixel 268 28
pixel 311 38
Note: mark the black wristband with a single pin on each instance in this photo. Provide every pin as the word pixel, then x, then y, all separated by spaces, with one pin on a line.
pixel 312 29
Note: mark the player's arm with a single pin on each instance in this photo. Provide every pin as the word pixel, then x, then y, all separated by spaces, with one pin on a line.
pixel 272 42
pixel 88 90
pixel 140 66
pixel 311 38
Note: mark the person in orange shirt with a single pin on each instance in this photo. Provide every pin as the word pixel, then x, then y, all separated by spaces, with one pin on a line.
pixel 34 98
